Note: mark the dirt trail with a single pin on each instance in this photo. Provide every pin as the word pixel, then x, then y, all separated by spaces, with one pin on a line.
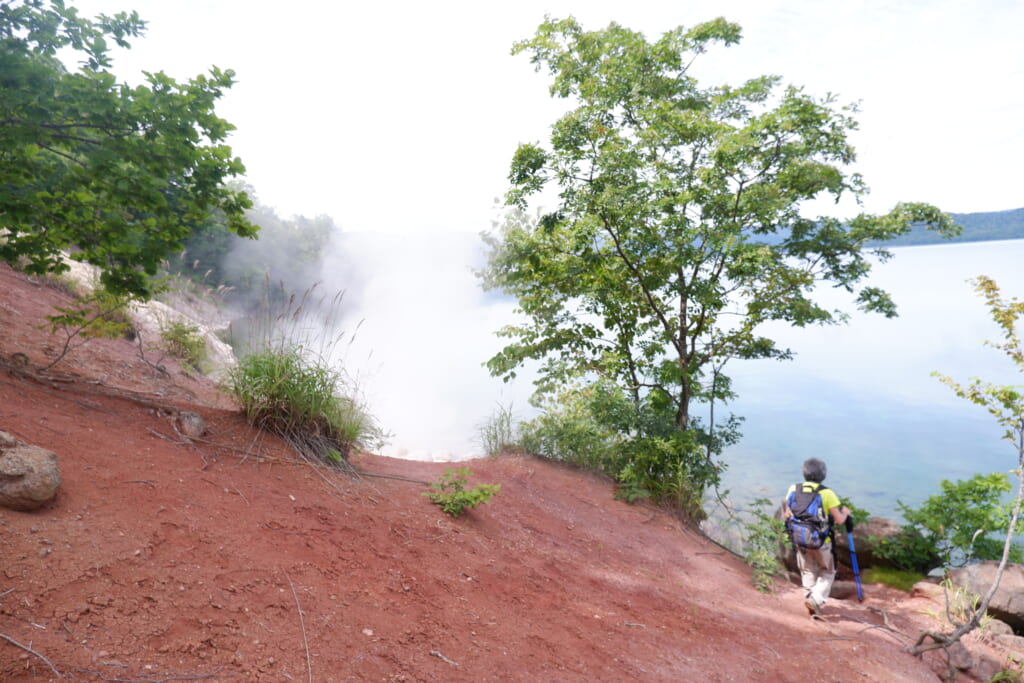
pixel 221 558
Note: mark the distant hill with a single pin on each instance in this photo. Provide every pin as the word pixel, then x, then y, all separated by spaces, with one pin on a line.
pixel 977 227
pixel 984 226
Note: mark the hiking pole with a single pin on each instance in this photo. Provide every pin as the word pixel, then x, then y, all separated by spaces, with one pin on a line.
pixel 853 559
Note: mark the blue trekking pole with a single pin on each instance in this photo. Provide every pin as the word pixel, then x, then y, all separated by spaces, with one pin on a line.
pixel 853 559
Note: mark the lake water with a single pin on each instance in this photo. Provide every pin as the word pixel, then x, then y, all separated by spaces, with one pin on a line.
pixel 860 396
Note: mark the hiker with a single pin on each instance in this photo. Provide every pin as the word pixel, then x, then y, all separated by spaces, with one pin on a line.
pixel 815 555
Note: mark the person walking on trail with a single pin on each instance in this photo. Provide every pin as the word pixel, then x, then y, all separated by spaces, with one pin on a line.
pixel 810 510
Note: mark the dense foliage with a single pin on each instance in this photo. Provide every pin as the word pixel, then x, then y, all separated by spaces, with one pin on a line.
pixel 118 175
pixel 764 533
pixel 288 381
pixel 677 230
pixel 967 521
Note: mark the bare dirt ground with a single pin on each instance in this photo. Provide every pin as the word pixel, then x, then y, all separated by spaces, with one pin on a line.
pixel 223 558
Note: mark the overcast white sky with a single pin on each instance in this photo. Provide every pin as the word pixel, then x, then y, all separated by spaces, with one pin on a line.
pixel 403 116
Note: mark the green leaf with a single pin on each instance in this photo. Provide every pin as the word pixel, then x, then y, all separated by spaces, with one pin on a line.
pixel 118 175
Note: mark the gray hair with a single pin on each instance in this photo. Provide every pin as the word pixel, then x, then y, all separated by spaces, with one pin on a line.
pixel 815 470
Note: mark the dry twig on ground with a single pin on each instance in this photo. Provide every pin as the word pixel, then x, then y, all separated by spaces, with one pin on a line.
pixel 26 648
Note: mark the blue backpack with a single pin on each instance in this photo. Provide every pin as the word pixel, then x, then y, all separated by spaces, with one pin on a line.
pixel 809 526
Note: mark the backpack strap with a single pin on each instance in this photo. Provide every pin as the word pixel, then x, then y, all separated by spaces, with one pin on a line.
pixel 828 515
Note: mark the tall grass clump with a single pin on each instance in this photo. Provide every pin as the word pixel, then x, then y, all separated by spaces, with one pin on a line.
pixel 289 383
pixel 499 433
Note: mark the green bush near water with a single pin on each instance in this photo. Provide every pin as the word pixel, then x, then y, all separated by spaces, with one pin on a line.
pixel 952 528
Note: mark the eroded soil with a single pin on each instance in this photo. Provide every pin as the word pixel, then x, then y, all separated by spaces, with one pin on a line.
pixel 221 557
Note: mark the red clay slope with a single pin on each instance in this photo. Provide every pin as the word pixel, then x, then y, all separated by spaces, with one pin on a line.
pixel 220 558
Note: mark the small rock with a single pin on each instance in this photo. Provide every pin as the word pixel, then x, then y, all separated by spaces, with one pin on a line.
pixel 960 657
pixel 190 424
pixel 929 590
pixel 1011 642
pixel 29 477
pixel 986 668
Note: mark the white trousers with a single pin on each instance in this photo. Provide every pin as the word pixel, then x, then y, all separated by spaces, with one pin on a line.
pixel 817 572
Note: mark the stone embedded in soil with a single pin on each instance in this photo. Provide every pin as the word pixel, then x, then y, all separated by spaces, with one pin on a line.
pixel 29 477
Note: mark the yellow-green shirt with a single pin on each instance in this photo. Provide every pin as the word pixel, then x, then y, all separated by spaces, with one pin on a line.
pixel 829 499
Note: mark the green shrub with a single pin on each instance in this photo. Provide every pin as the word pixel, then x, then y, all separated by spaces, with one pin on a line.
pixel 761 538
pixel 961 524
pixel 601 427
pixel 99 315
pixel 568 431
pixel 452 496
pixel 1008 676
pixel 908 550
pixel 185 342
pixel 288 382
pixel 671 469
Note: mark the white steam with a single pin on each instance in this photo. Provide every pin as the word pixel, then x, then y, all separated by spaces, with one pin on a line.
pixel 422 330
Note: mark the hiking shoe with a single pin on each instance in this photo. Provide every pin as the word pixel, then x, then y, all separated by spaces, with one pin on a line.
pixel 812 608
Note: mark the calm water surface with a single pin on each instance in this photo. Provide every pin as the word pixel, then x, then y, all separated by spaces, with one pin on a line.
pixel 862 397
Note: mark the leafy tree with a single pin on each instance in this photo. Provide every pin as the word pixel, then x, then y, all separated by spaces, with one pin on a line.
pixel 115 174
pixel 1005 403
pixel 677 229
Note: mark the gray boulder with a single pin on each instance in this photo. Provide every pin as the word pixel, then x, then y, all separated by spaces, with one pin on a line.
pixel 1008 602
pixel 29 476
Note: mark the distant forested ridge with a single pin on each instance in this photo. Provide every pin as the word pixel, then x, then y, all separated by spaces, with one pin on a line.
pixel 978 227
